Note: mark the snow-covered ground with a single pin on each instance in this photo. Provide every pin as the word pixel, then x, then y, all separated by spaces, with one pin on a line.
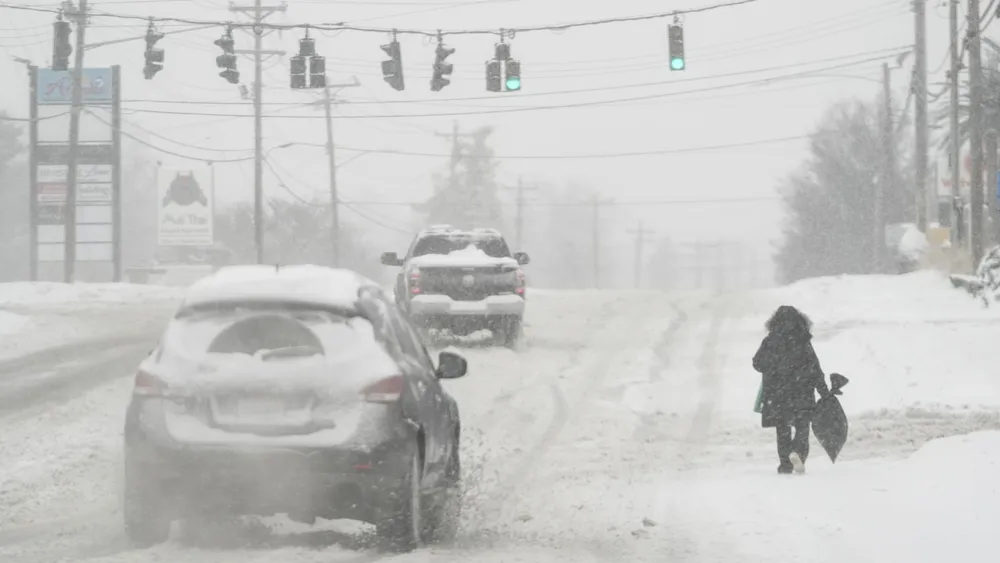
pixel 623 431
pixel 39 316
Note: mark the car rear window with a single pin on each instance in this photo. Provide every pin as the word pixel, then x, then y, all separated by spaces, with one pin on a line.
pixel 266 331
pixel 492 246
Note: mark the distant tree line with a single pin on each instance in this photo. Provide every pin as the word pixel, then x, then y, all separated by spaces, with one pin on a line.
pixel 830 198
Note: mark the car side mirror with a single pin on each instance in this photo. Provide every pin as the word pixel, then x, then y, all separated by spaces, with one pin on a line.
pixel 391 259
pixel 451 365
pixel 522 258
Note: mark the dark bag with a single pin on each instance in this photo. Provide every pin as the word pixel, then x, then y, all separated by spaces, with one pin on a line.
pixel 829 423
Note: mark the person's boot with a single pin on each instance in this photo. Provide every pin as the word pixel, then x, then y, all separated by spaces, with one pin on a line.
pixel 785 468
pixel 798 465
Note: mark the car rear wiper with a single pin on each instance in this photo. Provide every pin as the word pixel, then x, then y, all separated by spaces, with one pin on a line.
pixel 290 352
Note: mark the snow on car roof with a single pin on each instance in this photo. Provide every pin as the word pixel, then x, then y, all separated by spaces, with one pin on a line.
pixel 293 284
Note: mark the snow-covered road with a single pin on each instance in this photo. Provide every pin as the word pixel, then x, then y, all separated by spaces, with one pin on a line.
pixel 621 432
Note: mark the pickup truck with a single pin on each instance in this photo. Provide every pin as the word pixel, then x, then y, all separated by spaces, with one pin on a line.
pixel 462 281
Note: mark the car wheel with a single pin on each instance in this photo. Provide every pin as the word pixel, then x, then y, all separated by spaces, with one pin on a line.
pixel 146 520
pixel 402 529
pixel 444 520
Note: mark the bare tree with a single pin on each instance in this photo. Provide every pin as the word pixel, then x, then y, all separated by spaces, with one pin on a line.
pixel 830 199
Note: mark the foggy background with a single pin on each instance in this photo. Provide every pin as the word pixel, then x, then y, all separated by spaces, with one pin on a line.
pixel 690 193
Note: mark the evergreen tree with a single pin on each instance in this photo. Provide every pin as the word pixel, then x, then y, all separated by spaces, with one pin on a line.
pixel 468 197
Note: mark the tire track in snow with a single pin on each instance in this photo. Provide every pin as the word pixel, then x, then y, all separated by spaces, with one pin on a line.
pixel 562 415
pixel 709 382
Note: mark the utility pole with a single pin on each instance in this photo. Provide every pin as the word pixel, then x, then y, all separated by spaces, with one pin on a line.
pixel 975 133
pixel 259 13
pixel 69 250
pixel 641 237
pixel 595 204
pixel 958 232
pixel 332 162
pixel 519 217
pixel 889 174
pixel 920 113
pixel 456 151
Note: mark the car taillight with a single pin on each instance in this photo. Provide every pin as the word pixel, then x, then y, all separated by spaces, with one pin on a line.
pixel 415 282
pixel 148 385
pixel 385 391
pixel 519 289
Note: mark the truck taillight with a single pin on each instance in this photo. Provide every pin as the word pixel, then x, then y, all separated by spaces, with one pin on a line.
pixel 520 282
pixel 385 391
pixel 415 282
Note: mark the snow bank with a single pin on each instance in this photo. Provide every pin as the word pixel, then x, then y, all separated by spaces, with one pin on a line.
pixel 940 504
pixel 920 296
pixel 11 323
pixel 49 293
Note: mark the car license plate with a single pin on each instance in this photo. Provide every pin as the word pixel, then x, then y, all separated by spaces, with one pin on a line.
pixel 257 406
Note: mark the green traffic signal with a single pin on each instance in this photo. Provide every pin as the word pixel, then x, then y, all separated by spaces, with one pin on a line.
pixel 676 35
pixel 512 76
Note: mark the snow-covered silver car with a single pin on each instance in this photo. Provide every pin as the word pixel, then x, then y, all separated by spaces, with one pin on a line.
pixel 298 390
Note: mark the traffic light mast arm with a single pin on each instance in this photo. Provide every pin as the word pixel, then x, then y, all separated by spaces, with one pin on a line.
pixel 143 37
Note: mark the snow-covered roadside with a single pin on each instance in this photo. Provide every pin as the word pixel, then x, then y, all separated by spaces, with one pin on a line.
pixel 40 316
pixel 28 294
pixel 940 504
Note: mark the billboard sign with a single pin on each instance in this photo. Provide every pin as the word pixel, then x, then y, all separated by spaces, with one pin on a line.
pixel 185 207
pixel 52 214
pixel 93 193
pixel 52 192
pixel 56 86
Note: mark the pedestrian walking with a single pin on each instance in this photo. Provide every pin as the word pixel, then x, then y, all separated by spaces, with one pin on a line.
pixel 791 375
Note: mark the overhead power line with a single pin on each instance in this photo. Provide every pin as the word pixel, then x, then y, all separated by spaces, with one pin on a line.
pixel 680 150
pixel 534 108
pixel 887 52
pixel 342 26
pixel 602 203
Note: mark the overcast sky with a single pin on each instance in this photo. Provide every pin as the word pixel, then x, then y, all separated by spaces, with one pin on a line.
pixel 690 109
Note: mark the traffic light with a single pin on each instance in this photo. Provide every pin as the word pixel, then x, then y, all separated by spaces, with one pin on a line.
pixel 676 34
pixel 317 72
pixel 154 57
pixel 493 78
pixel 298 64
pixel 227 60
pixel 501 51
pixel 512 78
pixel 392 69
pixel 61 46
pixel 441 68
pixel 307 46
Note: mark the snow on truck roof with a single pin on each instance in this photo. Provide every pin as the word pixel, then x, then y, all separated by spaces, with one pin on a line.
pixel 293 284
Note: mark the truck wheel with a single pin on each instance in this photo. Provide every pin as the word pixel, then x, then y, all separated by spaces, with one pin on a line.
pixel 402 529
pixel 146 520
pixel 510 332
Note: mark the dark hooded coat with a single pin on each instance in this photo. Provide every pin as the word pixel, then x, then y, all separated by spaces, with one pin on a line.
pixel 790 369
